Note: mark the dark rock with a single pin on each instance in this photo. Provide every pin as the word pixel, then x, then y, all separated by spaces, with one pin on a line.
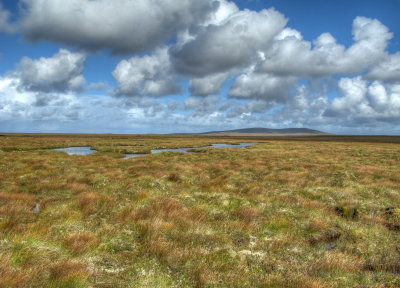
pixel 36 208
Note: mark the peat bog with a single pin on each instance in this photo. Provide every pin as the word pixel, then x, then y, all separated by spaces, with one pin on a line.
pixel 287 212
pixel 192 149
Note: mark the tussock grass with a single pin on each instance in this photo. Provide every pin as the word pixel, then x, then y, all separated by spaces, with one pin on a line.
pixel 288 212
pixel 91 203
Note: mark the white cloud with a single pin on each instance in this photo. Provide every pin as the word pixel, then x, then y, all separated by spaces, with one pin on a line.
pixel 220 15
pixel 148 75
pixel 278 77
pixel 241 40
pixel 43 89
pixel 378 96
pixel 385 99
pixel 288 33
pixel 124 26
pixel 248 109
pixel 202 106
pixel 61 72
pixel 208 85
pixel 353 98
pixel 305 108
pixel 262 86
pixel 364 100
pixel 21 105
pixel 290 55
pixel 387 70
pixel 229 44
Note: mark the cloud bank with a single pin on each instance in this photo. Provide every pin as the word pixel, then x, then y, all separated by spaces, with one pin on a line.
pixel 124 26
pixel 148 75
pixel 211 61
pixel 62 72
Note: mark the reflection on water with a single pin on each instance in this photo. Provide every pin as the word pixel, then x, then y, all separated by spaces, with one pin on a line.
pixel 179 150
pixel 186 150
pixel 241 145
pixel 77 150
pixel 88 150
pixel 128 156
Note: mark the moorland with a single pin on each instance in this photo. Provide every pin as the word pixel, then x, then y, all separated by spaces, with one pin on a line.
pixel 320 211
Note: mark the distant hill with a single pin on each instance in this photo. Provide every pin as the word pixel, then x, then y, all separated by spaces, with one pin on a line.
pixel 267 131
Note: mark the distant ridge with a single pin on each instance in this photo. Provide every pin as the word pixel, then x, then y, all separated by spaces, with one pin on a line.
pixel 268 131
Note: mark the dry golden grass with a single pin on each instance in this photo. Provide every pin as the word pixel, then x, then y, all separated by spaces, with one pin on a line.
pixel 288 212
pixel 91 202
pixel 10 277
pixel 80 242
pixel 66 269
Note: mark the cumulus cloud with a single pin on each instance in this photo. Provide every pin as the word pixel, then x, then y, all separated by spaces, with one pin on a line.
pixel 231 43
pixel 202 106
pixel 248 109
pixel 5 25
pixel 208 85
pixel 17 104
pixel 364 100
pixel 353 98
pixel 43 89
pixel 277 77
pixel 223 11
pixel 291 55
pixel 388 70
pixel 150 75
pixel 262 86
pixel 305 108
pixel 235 41
pixel 59 73
pixel 124 26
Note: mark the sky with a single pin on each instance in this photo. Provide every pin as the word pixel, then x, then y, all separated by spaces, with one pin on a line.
pixel 169 66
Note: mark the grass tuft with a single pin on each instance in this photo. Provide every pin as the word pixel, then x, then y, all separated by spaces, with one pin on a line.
pixel 288 212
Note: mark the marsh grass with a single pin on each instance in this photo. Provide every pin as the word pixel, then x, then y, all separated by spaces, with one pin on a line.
pixel 288 212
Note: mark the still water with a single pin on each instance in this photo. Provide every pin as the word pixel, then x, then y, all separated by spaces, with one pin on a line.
pixel 77 150
pixel 186 150
pixel 87 150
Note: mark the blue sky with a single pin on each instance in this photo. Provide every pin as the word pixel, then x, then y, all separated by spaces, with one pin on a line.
pixel 127 66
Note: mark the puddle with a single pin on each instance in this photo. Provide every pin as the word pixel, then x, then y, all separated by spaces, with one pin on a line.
pixel 187 150
pixel 179 150
pixel 77 150
pixel 87 150
pixel 128 156
pixel 241 145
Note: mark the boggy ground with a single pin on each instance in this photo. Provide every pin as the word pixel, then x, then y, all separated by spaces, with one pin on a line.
pixel 288 212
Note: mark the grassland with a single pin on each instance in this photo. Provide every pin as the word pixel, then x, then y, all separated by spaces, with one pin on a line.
pixel 288 212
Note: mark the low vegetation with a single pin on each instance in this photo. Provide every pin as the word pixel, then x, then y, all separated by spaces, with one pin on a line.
pixel 287 212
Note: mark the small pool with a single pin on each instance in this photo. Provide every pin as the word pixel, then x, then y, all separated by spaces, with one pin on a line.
pixel 87 150
pixel 241 145
pixel 128 156
pixel 187 150
pixel 179 150
pixel 77 150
